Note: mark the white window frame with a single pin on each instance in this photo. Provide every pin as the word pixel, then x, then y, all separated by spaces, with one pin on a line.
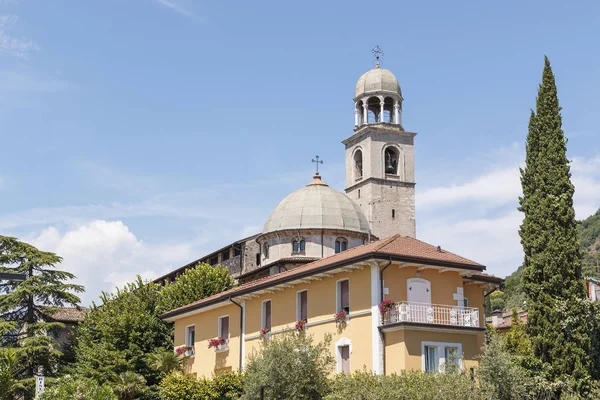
pixel 187 339
pixel 263 314
pixel 441 353
pixel 338 298
pixel 219 332
pixel 298 307
pixel 343 341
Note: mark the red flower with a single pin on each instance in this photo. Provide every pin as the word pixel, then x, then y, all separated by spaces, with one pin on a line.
pixel 215 342
pixel 340 316
pixel 301 325
pixel 385 305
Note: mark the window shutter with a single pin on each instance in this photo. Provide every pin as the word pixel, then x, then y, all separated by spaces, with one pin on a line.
pixel 303 305
pixel 345 295
pixel 267 315
pixel 225 327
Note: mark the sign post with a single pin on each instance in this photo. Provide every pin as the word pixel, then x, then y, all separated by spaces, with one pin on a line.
pixel 39 386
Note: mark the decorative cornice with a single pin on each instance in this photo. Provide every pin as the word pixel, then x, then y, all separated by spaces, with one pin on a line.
pixel 379 127
pixel 381 182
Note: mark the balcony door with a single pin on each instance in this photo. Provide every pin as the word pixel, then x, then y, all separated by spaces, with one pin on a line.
pixel 419 299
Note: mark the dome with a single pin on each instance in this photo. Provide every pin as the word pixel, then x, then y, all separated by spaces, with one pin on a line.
pixel 377 80
pixel 317 206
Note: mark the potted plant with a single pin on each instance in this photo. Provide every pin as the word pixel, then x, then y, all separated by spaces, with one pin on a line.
pixel 265 333
pixel 301 326
pixel 185 351
pixel 385 306
pixel 340 317
pixel 216 343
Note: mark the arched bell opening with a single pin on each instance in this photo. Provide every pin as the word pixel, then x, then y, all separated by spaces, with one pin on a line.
pixel 358 164
pixel 390 161
pixel 373 110
pixel 359 113
pixel 388 110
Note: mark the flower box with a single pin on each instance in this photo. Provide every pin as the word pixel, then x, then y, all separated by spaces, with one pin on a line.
pixel 218 344
pixel 341 317
pixel 301 326
pixel 185 351
pixel 265 333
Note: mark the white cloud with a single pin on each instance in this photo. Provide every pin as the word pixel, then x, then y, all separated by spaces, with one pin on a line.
pixel 478 218
pixel 175 6
pixel 106 254
pixel 17 46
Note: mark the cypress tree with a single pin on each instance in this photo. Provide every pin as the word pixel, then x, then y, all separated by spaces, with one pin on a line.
pixel 552 279
pixel 24 306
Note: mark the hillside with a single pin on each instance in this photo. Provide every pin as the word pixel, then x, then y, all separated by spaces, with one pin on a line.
pixel 589 239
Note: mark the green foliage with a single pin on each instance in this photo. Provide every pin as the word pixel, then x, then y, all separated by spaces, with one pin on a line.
pixel 517 341
pixel 497 300
pixel 292 365
pixel 177 386
pixel 167 361
pixel 194 284
pixel 22 323
pixel 552 277
pixel 118 335
pixel 128 385
pixel 9 364
pixel 406 386
pixel 68 388
pixel 589 240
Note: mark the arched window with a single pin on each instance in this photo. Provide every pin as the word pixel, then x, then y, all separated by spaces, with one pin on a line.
pixel 391 161
pixel 341 244
pixel 266 250
pixel 358 164
pixel 298 246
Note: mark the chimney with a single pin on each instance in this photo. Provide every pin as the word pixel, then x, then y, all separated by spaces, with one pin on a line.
pixel 497 319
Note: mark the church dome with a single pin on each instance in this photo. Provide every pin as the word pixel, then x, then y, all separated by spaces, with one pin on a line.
pixel 377 80
pixel 317 206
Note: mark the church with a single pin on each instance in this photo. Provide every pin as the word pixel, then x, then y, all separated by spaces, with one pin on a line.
pixel 346 264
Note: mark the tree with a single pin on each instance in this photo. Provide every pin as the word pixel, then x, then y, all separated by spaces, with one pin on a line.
pixel 194 284
pixel 69 387
pixel 128 385
pixel 118 335
pixel 552 277
pixel 21 302
pixel 167 361
pixel 292 365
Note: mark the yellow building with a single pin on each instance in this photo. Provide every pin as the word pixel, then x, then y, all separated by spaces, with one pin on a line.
pixel 318 255
pixel 437 315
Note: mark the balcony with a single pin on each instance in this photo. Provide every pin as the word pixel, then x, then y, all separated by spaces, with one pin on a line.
pixel 435 314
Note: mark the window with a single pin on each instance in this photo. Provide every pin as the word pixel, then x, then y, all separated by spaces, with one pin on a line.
pixel 431 359
pixel 441 357
pixel 341 244
pixel 224 327
pixel 237 250
pixel 298 246
pixel 343 296
pixel 359 193
pixel 213 260
pixel 190 338
pixel 465 302
pixel 345 358
pixel 225 255
pixel 393 213
pixel 391 161
pixel 358 165
pixel 266 250
pixel 302 305
pixel 266 315
pixel 257 259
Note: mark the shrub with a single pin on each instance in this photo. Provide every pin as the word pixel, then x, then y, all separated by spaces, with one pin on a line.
pixel 187 387
pixel 84 389
pixel 406 386
pixel 292 365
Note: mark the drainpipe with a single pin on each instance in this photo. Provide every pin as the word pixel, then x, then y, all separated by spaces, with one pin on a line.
pixel 241 331
pixel 381 299
pixel 381 278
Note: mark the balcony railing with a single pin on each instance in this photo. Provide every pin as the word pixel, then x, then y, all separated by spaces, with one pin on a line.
pixel 405 311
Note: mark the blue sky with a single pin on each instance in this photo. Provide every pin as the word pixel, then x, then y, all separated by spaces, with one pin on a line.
pixel 140 135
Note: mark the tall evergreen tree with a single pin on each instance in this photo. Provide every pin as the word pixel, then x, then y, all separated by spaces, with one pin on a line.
pixel 552 278
pixel 24 305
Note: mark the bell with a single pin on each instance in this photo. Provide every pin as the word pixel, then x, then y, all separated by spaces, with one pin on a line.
pixel 389 168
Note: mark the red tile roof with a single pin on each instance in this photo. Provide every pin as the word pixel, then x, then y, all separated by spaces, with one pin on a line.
pixel 65 314
pixel 397 248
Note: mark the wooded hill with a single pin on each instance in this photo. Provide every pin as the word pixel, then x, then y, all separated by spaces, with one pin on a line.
pixel 588 231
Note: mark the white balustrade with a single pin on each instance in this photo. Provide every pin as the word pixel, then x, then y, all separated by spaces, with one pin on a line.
pixel 424 313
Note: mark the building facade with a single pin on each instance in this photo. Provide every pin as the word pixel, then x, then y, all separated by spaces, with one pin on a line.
pixel 408 305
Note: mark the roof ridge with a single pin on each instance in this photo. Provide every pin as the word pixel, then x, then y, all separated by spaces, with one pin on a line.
pixel 446 251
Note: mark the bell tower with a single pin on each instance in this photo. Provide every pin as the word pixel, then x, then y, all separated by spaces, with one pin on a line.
pixel 380 173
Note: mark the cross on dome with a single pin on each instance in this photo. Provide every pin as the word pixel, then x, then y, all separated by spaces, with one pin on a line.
pixel 317 161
